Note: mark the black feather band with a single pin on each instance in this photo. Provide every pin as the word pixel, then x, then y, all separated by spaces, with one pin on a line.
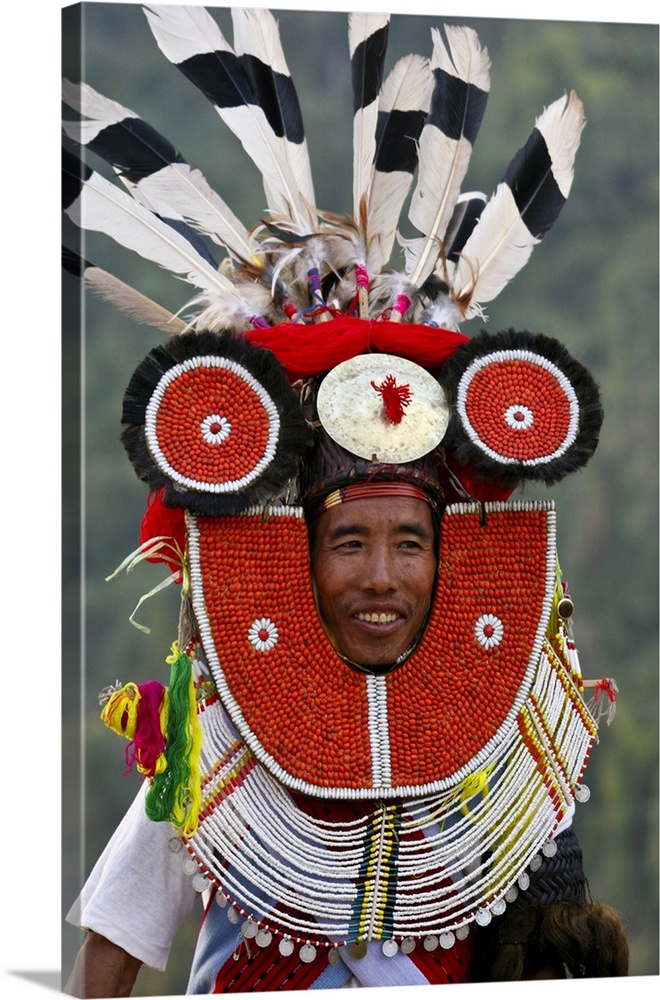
pixel 522 408
pixel 134 148
pixel 220 77
pixel 367 68
pixel 74 175
pixel 277 98
pixel 533 186
pixel 214 420
pixel 397 136
pixel 457 107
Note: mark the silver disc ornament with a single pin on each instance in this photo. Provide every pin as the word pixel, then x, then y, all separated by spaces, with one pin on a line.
pixel 383 408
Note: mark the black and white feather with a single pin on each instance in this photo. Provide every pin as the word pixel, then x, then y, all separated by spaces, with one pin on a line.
pixel 414 129
pixel 461 71
pixel 153 170
pixel 192 40
pixel 403 105
pixel 95 203
pixel 367 41
pixel 525 205
pixel 259 49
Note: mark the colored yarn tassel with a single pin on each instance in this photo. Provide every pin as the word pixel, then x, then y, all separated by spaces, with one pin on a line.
pixel 175 794
pixel 139 712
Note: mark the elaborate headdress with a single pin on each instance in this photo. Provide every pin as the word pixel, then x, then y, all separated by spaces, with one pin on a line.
pixel 304 367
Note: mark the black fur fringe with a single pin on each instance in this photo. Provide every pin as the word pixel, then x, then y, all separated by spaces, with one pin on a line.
pixel 295 437
pixel 466 451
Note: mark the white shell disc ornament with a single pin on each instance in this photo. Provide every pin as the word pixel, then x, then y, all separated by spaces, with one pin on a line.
pixel 383 408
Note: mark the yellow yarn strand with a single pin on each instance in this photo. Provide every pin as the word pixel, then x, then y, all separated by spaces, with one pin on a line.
pixel 120 712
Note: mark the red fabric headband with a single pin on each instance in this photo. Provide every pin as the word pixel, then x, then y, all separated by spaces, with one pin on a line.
pixel 367 490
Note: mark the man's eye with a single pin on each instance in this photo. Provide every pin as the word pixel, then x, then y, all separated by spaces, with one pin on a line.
pixel 351 543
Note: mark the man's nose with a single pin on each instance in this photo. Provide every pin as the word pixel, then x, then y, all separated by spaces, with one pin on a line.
pixel 379 575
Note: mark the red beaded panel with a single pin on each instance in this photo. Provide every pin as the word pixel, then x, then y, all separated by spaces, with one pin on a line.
pixel 457 690
pixel 305 706
pixel 308 712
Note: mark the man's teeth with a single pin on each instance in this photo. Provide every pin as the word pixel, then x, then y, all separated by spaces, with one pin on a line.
pixel 376 618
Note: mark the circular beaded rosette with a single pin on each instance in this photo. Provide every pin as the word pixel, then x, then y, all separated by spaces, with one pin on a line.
pixel 523 408
pixel 215 421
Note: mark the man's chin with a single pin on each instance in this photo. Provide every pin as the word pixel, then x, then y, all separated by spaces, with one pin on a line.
pixel 378 660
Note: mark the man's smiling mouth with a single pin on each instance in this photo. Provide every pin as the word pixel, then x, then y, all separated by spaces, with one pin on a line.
pixel 377 618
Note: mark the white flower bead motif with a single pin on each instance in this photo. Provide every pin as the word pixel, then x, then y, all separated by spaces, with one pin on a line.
pixel 263 634
pixel 215 428
pixel 519 417
pixel 489 631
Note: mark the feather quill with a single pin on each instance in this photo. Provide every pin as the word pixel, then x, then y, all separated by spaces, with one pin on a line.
pixel 524 207
pixel 462 83
pixel 191 39
pixel 153 170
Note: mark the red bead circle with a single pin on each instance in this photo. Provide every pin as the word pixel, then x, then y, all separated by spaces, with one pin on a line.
pixel 210 425
pixel 518 407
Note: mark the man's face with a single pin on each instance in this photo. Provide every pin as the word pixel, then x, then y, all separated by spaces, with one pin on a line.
pixel 374 566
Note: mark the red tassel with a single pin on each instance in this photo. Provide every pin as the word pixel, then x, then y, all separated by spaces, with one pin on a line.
pixel 168 522
pixel 395 398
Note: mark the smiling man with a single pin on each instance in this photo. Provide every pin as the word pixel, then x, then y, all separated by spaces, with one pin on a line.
pixel 374 562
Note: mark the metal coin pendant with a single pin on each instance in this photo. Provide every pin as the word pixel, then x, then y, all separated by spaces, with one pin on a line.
pixel 286 946
pixel 307 953
pixel 249 929
pixel 408 945
pixel 582 793
pixel 358 949
pixel 351 408
pixel 390 948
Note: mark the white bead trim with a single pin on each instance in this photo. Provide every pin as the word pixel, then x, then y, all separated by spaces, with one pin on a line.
pixel 379 732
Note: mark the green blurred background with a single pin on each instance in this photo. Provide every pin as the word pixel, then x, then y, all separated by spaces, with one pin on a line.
pixel 593 283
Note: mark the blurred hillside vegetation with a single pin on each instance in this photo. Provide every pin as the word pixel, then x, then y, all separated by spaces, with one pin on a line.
pixel 593 283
